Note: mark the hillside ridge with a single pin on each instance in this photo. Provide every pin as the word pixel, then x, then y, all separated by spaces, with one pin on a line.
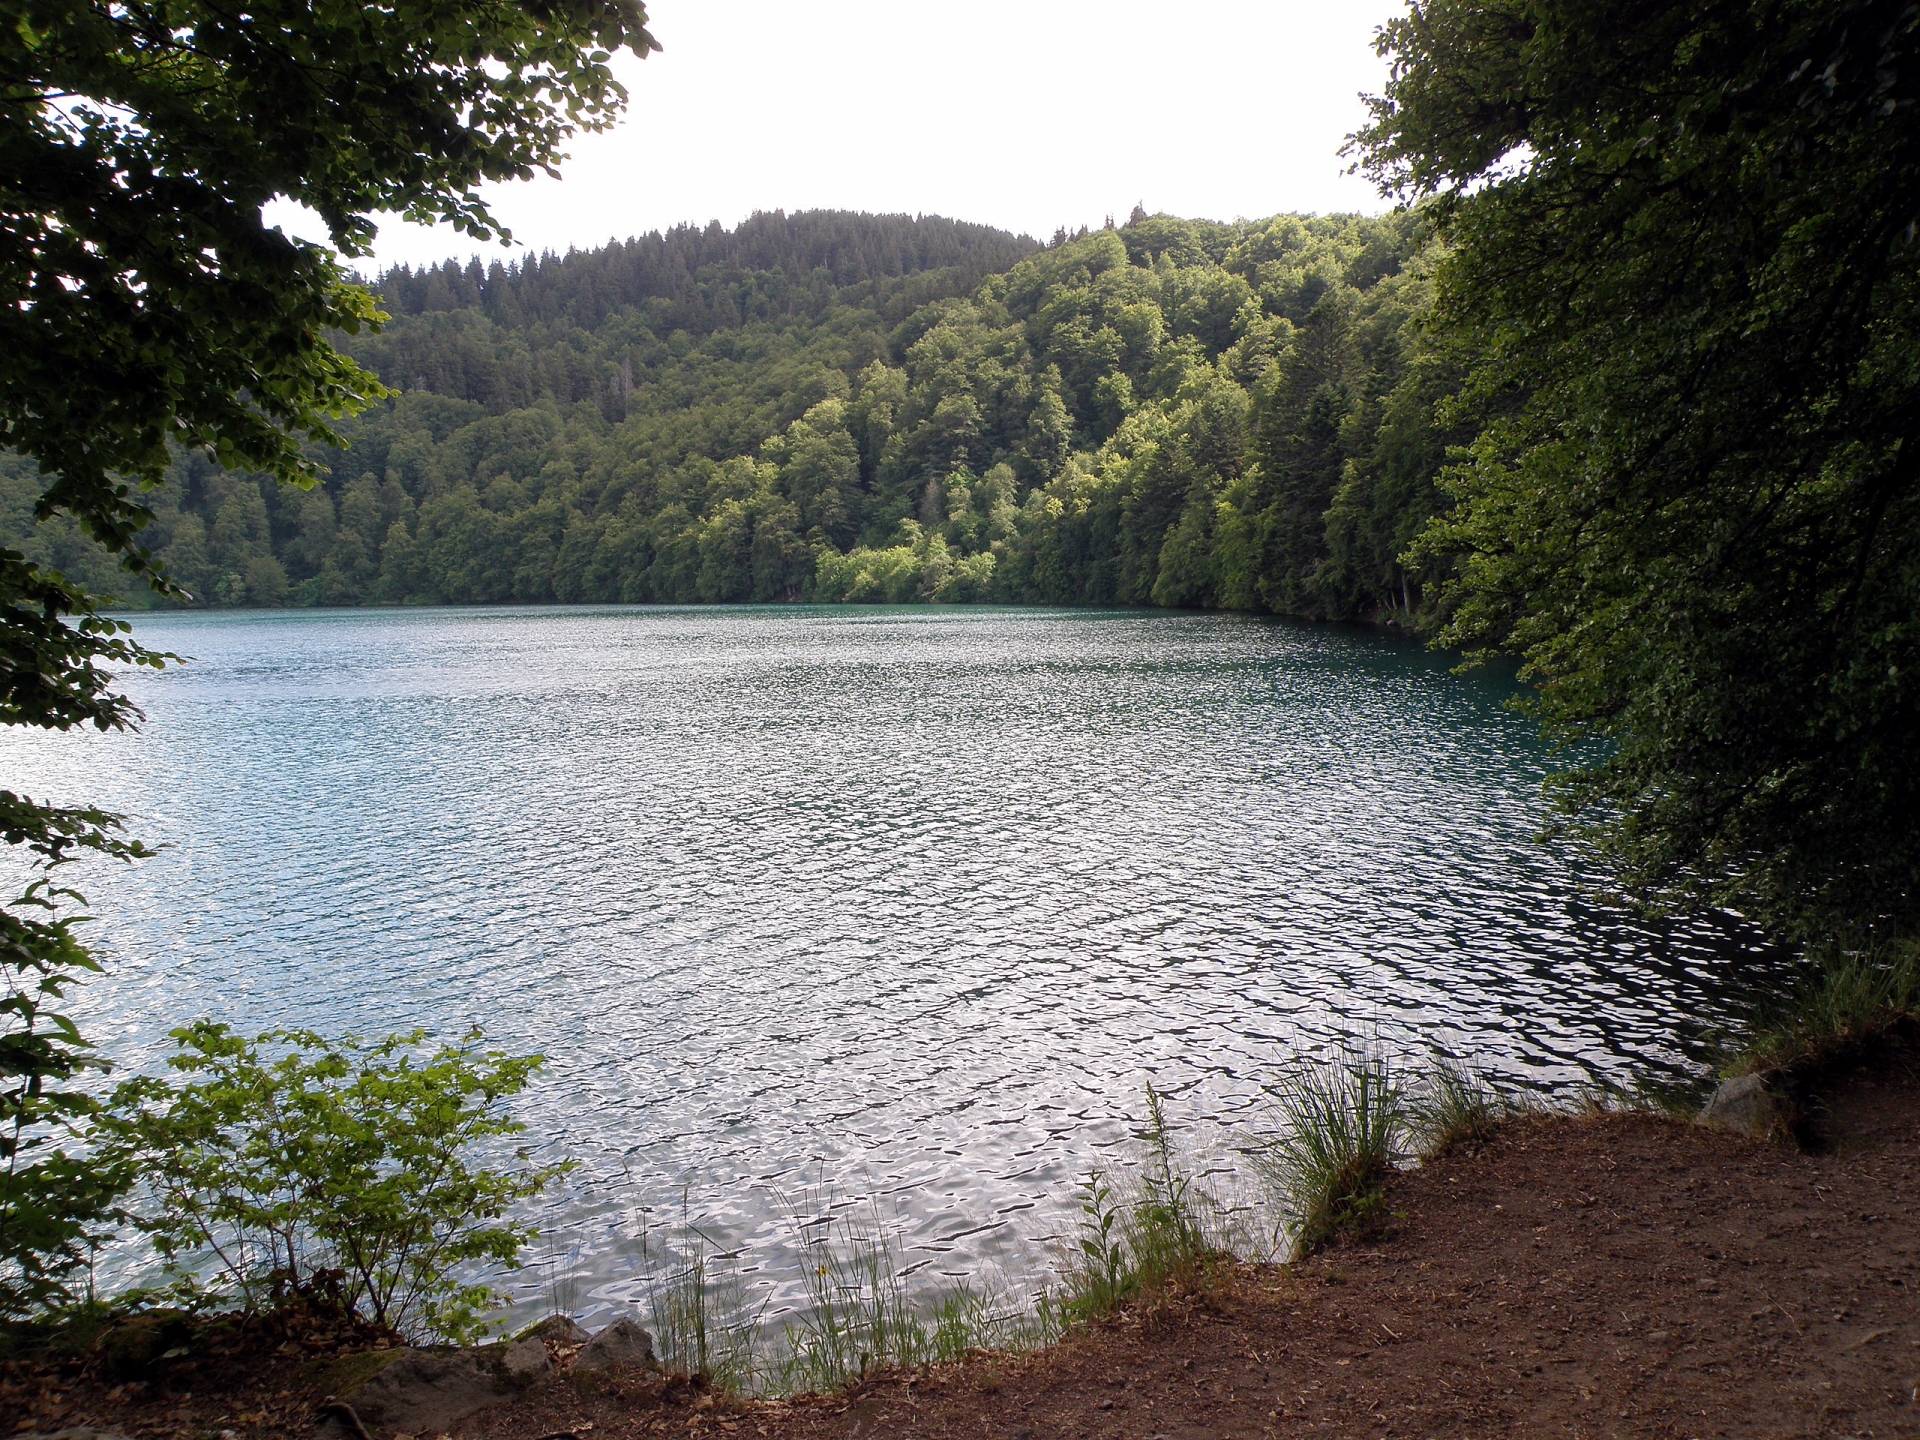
pixel 842 408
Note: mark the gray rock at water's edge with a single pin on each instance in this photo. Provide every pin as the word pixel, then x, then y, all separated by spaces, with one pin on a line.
pixel 427 1390
pixel 1744 1104
pixel 559 1328
pixel 622 1343
pixel 525 1359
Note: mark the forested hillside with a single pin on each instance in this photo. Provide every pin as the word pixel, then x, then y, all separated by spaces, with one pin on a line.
pixel 841 407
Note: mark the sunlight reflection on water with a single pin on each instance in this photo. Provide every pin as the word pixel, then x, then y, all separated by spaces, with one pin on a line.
pixel 901 905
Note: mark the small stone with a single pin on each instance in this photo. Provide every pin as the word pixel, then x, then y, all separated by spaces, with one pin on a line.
pixel 622 1343
pixel 525 1359
pixel 1744 1104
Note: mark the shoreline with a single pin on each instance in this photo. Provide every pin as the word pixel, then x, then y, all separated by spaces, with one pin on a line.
pixel 1615 1273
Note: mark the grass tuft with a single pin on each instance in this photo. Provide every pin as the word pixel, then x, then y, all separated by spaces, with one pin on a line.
pixel 1456 1106
pixel 1330 1161
pixel 1850 1000
pixel 858 1318
pixel 701 1321
pixel 1162 1231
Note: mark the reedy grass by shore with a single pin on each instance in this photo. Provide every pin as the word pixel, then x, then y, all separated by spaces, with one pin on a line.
pixel 1850 999
pixel 860 1313
pixel 1161 1226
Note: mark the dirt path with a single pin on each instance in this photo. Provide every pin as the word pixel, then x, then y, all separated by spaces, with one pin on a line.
pixel 1617 1275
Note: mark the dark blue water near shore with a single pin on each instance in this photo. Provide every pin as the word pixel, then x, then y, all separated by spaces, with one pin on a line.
pixel 903 904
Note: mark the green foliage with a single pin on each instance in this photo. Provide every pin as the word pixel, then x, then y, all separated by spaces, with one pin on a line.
pixel 54 1204
pixel 1163 1230
pixel 861 1318
pixel 151 321
pixel 1681 253
pixel 1329 1160
pixel 872 409
pixel 860 1315
pixel 1102 1279
pixel 294 1165
pixel 149 307
pixel 701 1325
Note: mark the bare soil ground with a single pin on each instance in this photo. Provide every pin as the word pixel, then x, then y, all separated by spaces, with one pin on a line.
pixel 1612 1275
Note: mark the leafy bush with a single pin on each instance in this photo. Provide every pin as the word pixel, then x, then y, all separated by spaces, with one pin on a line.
pixel 55 1206
pixel 296 1165
pixel 1330 1160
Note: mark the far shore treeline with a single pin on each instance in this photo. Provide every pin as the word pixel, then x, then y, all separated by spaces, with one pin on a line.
pixel 846 407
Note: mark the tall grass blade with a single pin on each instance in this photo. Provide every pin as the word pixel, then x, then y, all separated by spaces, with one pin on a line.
pixel 1329 1162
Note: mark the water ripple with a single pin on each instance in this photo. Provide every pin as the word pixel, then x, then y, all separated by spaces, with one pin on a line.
pixel 902 904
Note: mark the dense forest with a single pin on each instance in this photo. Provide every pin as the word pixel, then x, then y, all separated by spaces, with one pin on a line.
pixel 845 407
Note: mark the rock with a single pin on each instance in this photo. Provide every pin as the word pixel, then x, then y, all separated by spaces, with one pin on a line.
pixel 559 1328
pixel 345 1374
pixel 1744 1104
pixel 426 1391
pixel 525 1360
pixel 622 1343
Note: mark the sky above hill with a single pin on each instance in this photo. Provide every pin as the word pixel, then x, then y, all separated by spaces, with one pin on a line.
pixel 1027 114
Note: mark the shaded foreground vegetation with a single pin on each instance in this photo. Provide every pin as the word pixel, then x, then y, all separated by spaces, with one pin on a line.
pixel 1474 1305
pixel 290 1174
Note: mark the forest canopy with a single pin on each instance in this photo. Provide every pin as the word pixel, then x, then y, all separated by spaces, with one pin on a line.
pixel 845 407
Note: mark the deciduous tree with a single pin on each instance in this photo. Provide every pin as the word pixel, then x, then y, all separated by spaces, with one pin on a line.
pixel 1682 247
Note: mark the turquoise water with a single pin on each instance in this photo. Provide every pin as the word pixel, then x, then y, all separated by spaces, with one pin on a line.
pixel 903 907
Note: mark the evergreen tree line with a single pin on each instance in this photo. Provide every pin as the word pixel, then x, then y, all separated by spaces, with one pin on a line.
pixel 841 407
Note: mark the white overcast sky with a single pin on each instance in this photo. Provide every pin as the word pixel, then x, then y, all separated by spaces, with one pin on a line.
pixel 1027 114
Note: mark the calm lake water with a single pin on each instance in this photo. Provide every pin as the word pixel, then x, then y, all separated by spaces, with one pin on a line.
pixel 896 910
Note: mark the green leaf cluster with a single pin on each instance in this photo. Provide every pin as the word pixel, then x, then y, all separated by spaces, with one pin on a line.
pixel 147 307
pixel 288 1164
pixel 55 1204
pixel 148 313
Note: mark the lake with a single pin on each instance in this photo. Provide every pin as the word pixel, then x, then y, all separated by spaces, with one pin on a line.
pixel 894 910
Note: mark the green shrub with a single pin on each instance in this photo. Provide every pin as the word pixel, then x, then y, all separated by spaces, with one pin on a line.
pixel 1335 1146
pixel 291 1164
pixel 56 1204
